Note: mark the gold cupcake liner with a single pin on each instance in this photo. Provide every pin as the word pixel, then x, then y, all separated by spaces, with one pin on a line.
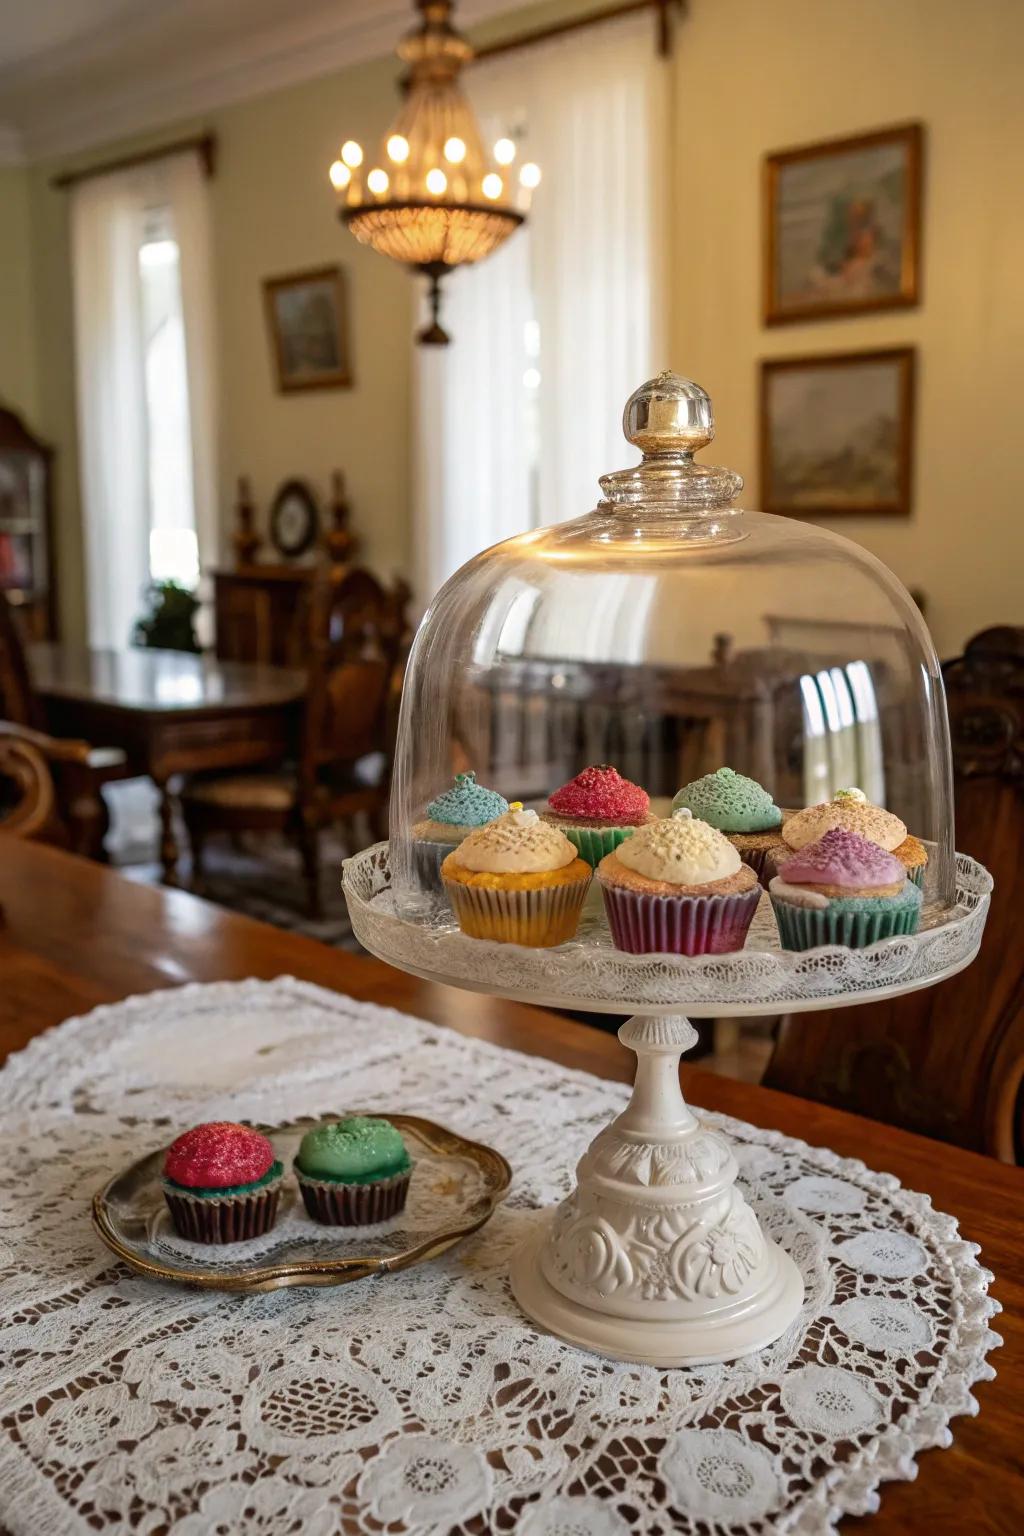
pixel 539 919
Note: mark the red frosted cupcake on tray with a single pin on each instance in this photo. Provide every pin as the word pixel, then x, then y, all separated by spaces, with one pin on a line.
pixel 222 1183
pixel 678 887
pixel 598 810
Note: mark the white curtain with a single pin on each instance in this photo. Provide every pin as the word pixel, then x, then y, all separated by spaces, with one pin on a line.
pixel 108 228
pixel 499 449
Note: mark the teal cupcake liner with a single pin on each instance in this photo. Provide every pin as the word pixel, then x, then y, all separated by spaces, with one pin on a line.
pixel 916 876
pixel 592 843
pixel 808 927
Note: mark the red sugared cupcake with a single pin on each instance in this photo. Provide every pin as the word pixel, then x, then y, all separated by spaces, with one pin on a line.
pixel 222 1183
pixel 597 810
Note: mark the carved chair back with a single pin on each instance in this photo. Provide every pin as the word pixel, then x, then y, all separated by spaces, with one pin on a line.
pixel 356 634
pixel 18 702
pixel 947 1061
pixel 28 801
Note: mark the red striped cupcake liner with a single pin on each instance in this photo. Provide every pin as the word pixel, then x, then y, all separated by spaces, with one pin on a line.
pixel 223 1218
pixel 643 924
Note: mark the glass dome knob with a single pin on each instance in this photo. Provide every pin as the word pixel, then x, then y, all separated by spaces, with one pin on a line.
pixel 669 414
pixel 669 419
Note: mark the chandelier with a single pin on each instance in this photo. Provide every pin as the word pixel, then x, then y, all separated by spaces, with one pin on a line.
pixel 431 197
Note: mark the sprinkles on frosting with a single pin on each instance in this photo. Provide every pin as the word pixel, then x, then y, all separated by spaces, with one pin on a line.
pixel 729 801
pixel 600 793
pixel 842 858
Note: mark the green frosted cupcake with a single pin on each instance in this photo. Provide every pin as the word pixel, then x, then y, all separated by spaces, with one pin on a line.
pixel 843 889
pixel 742 810
pixel 353 1172
pixel 597 810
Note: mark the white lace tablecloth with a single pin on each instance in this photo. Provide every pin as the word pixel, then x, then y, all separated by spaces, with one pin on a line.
pixel 423 1401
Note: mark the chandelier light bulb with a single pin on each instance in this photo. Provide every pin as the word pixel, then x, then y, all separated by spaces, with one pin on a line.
pixel 455 150
pixel 529 176
pixel 504 151
pixel 437 182
pixel 377 181
pixel 492 185
pixel 340 175
pixel 352 154
pixel 398 149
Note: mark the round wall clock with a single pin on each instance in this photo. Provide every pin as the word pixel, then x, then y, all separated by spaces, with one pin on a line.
pixel 294 521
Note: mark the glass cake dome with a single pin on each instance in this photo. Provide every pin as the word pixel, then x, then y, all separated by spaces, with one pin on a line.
pixel 670 632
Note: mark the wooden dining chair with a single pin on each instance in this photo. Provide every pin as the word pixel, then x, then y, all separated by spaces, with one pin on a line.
pixel 78 770
pixel 49 790
pixel 947 1061
pixel 342 765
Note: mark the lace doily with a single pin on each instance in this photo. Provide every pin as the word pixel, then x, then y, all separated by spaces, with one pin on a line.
pixel 423 1402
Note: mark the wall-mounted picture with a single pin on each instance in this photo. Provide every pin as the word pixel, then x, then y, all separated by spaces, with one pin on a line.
pixel 837 433
pixel 306 314
pixel 842 226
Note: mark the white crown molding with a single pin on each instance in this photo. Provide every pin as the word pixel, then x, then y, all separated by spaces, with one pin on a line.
pixel 202 80
pixel 12 146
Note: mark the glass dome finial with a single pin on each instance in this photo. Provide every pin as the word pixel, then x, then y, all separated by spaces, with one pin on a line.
pixel 670 419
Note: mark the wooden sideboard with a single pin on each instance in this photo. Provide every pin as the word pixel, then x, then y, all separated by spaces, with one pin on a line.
pixel 260 613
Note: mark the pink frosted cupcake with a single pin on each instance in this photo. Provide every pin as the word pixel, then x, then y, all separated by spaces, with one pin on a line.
pixel 598 810
pixel 843 889
pixel 678 887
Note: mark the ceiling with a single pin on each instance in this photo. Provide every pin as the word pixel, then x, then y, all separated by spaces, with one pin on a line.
pixel 76 73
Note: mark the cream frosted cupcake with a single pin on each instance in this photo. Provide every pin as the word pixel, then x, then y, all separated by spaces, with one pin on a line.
pixel 852 810
pixel 517 881
pixel 843 889
pixel 741 809
pixel 450 818
pixel 678 887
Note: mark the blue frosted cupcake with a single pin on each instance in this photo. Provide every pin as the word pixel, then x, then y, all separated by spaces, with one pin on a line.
pixel 450 818
pixel 843 889
pixel 742 810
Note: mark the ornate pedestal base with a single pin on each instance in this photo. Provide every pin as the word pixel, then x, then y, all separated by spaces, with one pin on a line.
pixel 656 1256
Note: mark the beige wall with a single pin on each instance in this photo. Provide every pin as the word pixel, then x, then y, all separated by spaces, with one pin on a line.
pixel 17 341
pixel 753 78
pixel 748 78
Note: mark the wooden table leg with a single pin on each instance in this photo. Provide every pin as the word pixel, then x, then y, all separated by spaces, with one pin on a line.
pixel 168 842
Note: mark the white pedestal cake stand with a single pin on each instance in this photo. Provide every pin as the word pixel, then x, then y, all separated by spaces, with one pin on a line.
pixel 656 1256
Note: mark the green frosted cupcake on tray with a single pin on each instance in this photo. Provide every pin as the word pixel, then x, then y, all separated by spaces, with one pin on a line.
pixel 741 809
pixel 449 819
pixel 598 810
pixel 353 1172
pixel 843 889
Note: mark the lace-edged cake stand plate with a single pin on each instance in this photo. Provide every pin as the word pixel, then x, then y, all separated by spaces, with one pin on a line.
pixel 655 1256
pixel 456 1186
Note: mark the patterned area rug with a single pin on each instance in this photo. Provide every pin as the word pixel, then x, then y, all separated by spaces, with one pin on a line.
pixel 260 876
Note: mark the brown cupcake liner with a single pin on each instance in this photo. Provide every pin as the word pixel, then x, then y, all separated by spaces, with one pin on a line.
pixel 227 1219
pixel 353 1205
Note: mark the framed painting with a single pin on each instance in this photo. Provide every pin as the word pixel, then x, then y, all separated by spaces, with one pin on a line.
pixel 306 316
pixel 843 226
pixel 837 433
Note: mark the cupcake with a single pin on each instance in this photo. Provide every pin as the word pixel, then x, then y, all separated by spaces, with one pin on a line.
pixel 353 1172
pixel 739 808
pixel 222 1183
pixel 851 809
pixel 678 887
pixel 843 889
pixel 449 818
pixel 517 880
pixel 597 810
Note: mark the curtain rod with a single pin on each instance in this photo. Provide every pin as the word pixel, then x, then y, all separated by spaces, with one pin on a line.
pixel 591 19
pixel 204 144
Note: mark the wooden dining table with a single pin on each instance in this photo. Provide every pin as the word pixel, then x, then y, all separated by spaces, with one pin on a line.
pixel 170 712
pixel 74 935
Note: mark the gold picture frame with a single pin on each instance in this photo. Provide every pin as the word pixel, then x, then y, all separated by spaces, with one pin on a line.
pixel 836 415
pixel 842 226
pixel 307 318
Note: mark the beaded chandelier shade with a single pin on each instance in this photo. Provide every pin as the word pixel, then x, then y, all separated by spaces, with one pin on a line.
pixel 432 198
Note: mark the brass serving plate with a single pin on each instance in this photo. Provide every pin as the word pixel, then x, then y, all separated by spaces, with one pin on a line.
pixel 456 1186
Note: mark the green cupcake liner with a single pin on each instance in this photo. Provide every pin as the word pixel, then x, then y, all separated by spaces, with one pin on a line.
pixel 807 927
pixel 916 876
pixel 592 843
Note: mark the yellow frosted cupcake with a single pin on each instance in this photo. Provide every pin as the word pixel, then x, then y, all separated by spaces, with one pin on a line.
pixel 517 881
